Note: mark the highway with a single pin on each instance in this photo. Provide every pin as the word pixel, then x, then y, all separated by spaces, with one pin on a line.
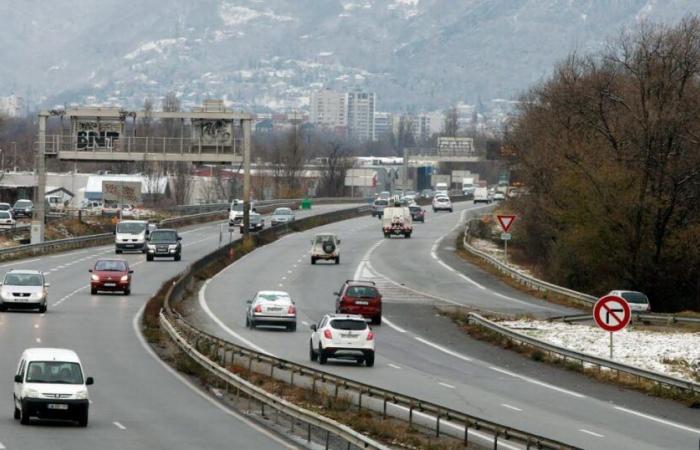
pixel 424 355
pixel 137 401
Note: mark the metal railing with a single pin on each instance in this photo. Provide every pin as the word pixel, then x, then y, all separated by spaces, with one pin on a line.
pixel 440 419
pixel 584 358
pixel 636 317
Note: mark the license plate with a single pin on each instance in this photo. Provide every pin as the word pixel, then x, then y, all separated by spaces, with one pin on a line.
pixel 110 284
pixel 361 302
pixel 274 309
pixel 349 335
pixel 129 246
pixel 57 406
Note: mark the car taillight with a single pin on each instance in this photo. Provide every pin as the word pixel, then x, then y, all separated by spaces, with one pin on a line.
pixel 370 335
pixel 258 309
pixel 327 334
pixel 292 309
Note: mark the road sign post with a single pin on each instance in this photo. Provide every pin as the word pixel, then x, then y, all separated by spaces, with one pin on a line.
pixel 612 313
pixel 506 222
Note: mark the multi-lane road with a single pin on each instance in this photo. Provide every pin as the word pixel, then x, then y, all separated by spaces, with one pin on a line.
pixel 424 355
pixel 137 401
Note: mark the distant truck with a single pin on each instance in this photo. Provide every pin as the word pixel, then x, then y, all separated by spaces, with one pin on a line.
pixel 397 221
pixel 468 187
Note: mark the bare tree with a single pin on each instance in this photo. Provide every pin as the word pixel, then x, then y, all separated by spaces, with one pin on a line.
pixel 181 182
pixel 406 136
pixel 171 126
pixel 337 162
pixel 451 126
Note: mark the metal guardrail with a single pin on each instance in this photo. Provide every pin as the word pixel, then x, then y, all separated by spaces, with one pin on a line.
pixel 414 410
pixel 649 375
pixel 636 316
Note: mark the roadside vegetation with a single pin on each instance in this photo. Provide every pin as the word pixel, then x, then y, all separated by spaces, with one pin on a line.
pixel 609 149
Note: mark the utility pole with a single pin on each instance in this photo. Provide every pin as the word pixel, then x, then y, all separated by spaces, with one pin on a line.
pixel 14 156
pixel 246 125
pixel 37 230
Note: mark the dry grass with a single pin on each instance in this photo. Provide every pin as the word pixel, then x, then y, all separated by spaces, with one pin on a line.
pixel 608 376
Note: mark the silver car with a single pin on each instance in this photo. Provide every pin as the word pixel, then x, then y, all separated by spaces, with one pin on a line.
pixel 24 289
pixel 274 308
pixel 282 215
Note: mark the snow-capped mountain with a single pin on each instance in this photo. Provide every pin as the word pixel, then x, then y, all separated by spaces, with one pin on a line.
pixel 416 54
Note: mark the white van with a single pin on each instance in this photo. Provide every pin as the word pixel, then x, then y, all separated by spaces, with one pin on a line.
pixel 50 384
pixel 131 235
pixel 481 195
pixel 235 215
pixel 441 187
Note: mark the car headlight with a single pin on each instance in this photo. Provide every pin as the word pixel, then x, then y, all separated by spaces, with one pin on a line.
pixel 172 246
pixel 5 296
pixel 31 393
pixel 81 395
pixel 151 247
pixel 124 278
pixel 95 278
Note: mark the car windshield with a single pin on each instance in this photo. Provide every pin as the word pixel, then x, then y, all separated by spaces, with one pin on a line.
pixel 324 238
pixel 274 297
pixel 130 227
pixel 163 236
pixel 23 279
pixel 255 218
pixel 348 324
pixel 237 207
pixel 635 297
pixel 111 266
pixel 283 212
pixel 4 215
pixel 23 204
pixel 381 202
pixel 54 372
pixel 361 291
pixel 4 207
pixel 414 208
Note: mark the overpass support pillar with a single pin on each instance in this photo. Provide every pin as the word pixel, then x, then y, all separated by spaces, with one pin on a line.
pixel 37 229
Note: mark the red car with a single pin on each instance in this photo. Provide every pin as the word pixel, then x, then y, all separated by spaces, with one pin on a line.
pixel 359 297
pixel 110 275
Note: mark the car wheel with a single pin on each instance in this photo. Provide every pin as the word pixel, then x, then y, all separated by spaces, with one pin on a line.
pixel 178 257
pixel 3 308
pixel 247 321
pixel 17 413
pixel 93 291
pixel 377 320
pixel 42 309
pixel 149 257
pixel 407 235
pixel 322 357
pixel 360 361
pixel 83 420
pixel 450 209
pixel 252 325
pixel 312 354
pixel 23 418
pixel 434 210
pixel 337 259
pixel 127 291
pixel 369 359
pixel 313 260
pixel 292 327
pixel 118 252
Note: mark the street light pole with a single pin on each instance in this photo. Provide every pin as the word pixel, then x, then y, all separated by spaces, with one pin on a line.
pixel 14 156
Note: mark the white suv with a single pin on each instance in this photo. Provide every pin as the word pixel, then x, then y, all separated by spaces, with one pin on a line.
pixel 442 202
pixel 342 336
pixel 636 300
pixel 325 246
pixel 24 289
pixel 50 384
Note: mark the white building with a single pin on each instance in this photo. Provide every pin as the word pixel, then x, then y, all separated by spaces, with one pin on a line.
pixel 361 108
pixel 12 106
pixel 383 124
pixel 329 109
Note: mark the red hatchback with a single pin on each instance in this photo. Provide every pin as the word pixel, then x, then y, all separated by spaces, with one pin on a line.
pixel 359 297
pixel 110 275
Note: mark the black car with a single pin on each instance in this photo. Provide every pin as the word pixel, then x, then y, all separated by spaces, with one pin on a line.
pixel 163 243
pixel 23 208
pixel 417 213
pixel 256 223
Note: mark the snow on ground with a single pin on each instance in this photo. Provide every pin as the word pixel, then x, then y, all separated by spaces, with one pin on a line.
pixel 494 250
pixel 672 353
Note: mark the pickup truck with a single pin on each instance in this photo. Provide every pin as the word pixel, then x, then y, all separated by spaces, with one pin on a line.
pixel 397 220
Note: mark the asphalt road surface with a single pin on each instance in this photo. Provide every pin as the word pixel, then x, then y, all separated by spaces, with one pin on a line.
pixel 423 355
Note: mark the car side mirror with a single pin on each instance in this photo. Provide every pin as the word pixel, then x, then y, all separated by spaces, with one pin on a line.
pixel 89 381
pixel 338 241
pixel 18 378
pixel 313 327
pixel 90 270
pixel 336 293
pixel 114 232
pixel 131 270
pixel 179 238
pixel 47 284
pixel 249 302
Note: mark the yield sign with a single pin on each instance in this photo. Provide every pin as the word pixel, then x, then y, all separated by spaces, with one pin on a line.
pixel 506 222
pixel 612 313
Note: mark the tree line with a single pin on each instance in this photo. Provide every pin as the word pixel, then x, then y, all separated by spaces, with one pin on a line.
pixel 609 151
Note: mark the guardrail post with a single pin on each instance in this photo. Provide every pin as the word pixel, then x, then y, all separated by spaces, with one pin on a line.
pixel 308 433
pixel 495 440
pixel 466 432
pixel 384 415
pixel 410 415
pixel 328 438
pixel 437 425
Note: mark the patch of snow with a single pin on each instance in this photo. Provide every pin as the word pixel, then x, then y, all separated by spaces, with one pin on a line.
pixel 325 54
pixel 154 46
pixel 234 15
pixel 664 352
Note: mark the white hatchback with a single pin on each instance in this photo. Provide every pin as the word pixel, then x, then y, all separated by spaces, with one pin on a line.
pixel 342 336
pixel 50 384
pixel 6 220
pixel 637 301
pixel 271 308
pixel 442 202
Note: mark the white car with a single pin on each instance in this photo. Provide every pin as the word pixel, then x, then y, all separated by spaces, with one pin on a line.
pixel 24 289
pixel 636 300
pixel 282 215
pixel 442 202
pixel 6 220
pixel 325 246
pixel 50 384
pixel 271 308
pixel 481 195
pixel 342 336
pixel 499 196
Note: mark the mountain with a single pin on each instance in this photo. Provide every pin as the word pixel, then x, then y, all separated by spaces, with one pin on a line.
pixel 268 54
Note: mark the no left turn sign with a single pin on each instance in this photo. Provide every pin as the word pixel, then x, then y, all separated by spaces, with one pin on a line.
pixel 612 313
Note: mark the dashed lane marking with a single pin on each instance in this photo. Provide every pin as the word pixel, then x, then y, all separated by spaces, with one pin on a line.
pixel 448 386
pixel 38 340
pixel 2 447
pixel 20 262
pixel 69 295
pixel 118 425
pixel 394 366
pixel 591 433
pixel 392 325
pixel 656 419
pixel 442 349
pixel 537 382
pixel 506 405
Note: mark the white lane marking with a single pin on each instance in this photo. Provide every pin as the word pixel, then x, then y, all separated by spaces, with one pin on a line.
pixel 591 433
pixel 62 255
pixel 217 392
pixel 205 307
pixel 118 425
pixel 36 325
pixel 537 382
pixel 394 366
pixel 442 349
pixel 280 285
pixel 289 271
pixel 294 266
pixel 135 325
pixel 298 260
pixel 305 323
pixel 2 447
pixel 70 295
pixel 392 325
pixel 506 405
pixel 14 263
pixel 656 419
pixel 38 340
pixel 448 386
pixel 284 278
